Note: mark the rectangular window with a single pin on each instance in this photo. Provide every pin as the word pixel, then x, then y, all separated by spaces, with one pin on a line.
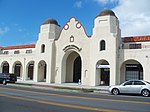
pixel 28 51
pixel 6 52
pixel 134 71
pixel 71 39
pixel 135 46
pixel 16 52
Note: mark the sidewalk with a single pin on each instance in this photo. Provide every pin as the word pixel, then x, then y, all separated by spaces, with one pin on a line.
pixel 66 86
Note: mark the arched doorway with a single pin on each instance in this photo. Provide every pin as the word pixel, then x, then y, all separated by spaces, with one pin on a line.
pixel 77 69
pixel 5 67
pixel 131 69
pixel 71 67
pixel 18 69
pixel 30 70
pixel 42 68
pixel 103 71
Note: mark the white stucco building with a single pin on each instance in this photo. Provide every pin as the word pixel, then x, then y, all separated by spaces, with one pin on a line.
pixel 67 55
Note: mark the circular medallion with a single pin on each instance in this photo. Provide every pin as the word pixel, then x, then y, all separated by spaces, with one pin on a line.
pixel 66 27
pixel 78 25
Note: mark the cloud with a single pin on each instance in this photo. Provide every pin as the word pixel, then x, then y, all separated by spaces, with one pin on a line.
pixel 105 1
pixel 4 30
pixel 78 4
pixel 20 30
pixel 134 17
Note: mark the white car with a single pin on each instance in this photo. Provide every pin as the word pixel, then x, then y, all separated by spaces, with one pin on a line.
pixel 131 87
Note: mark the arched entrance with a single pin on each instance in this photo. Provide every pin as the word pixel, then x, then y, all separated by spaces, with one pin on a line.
pixel 71 65
pixel 103 71
pixel 5 67
pixel 131 69
pixel 18 69
pixel 30 70
pixel 77 69
pixel 42 68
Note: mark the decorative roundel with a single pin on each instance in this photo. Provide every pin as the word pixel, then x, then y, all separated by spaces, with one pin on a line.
pixel 66 27
pixel 78 25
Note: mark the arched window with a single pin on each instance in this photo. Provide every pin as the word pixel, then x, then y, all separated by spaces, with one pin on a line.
pixel 42 48
pixel 102 45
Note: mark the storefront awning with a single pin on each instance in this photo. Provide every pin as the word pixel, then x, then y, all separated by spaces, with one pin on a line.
pixel 103 66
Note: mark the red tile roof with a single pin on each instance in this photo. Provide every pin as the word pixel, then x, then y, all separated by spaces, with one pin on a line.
pixel 125 40
pixel 136 39
pixel 19 47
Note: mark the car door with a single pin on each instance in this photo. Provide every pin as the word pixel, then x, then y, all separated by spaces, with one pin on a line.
pixel 126 87
pixel 1 77
pixel 137 87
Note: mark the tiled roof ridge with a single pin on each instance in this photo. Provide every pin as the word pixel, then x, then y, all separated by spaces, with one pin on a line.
pixel 19 47
pixel 136 38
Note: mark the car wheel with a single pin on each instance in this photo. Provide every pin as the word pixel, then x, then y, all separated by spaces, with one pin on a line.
pixel 4 82
pixel 115 91
pixel 145 92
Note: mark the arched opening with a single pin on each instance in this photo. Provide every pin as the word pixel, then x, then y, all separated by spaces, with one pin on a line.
pixel 71 67
pixel 18 69
pixel 30 70
pixel 131 69
pixel 102 45
pixel 5 67
pixel 42 48
pixel 103 72
pixel 42 69
pixel 77 69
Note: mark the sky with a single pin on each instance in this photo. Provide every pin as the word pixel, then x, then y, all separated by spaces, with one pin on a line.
pixel 20 20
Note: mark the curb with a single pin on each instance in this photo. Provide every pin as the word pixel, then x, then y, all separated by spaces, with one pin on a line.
pixel 81 89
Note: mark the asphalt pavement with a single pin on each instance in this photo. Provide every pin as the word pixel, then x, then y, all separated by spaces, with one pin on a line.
pixel 31 99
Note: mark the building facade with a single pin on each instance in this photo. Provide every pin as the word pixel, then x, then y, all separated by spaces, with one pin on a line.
pixel 69 55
